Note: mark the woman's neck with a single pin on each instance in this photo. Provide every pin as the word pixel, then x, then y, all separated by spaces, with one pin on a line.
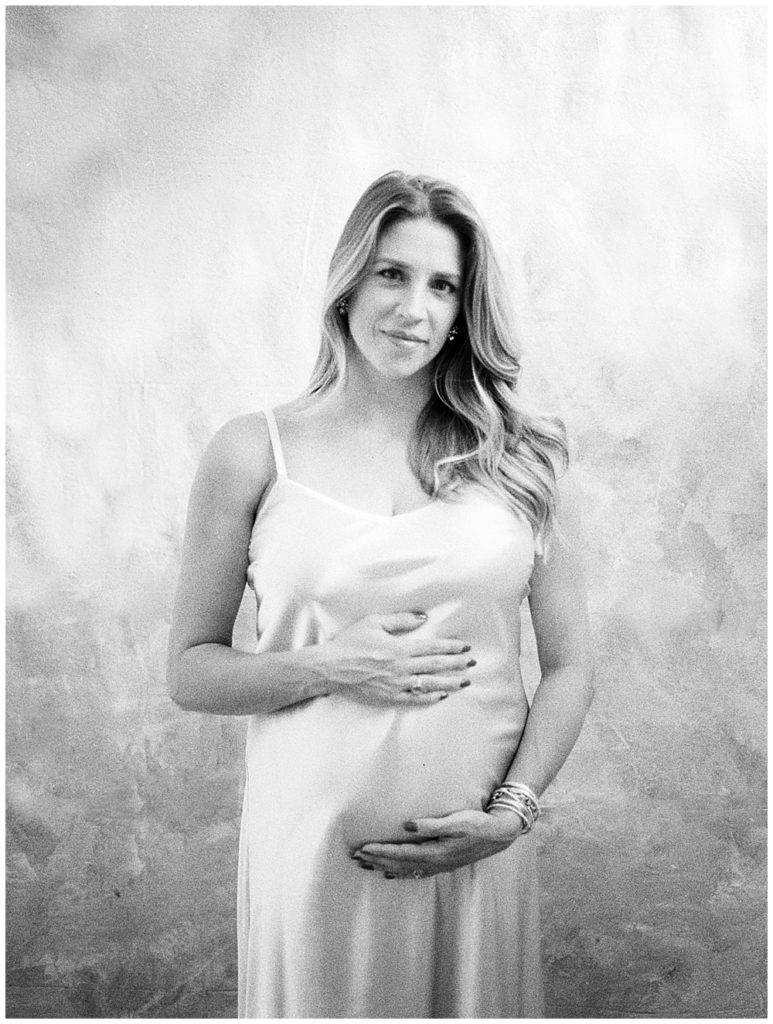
pixel 391 406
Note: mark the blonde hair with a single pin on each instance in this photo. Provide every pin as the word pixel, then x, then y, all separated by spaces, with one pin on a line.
pixel 473 428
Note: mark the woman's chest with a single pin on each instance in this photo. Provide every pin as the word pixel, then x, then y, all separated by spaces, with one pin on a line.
pixel 376 484
pixel 310 548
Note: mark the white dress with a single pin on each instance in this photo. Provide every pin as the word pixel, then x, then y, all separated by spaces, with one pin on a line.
pixel 319 936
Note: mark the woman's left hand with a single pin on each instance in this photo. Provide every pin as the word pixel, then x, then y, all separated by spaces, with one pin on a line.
pixel 442 844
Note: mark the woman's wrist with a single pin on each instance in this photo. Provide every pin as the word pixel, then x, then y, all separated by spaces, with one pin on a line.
pixel 316 674
pixel 517 799
pixel 509 824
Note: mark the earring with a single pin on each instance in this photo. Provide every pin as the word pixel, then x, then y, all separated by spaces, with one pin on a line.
pixel 342 306
pixel 453 333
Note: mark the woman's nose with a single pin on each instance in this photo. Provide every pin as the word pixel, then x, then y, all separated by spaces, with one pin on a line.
pixel 412 304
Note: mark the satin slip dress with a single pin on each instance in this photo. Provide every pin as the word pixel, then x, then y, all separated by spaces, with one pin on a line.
pixel 318 936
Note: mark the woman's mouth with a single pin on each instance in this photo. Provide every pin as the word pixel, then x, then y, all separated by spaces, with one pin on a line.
pixel 405 336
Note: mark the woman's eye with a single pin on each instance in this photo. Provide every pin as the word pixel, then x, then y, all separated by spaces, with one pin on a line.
pixel 446 286
pixel 390 273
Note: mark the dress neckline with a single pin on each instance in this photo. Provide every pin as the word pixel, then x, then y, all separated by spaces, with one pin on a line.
pixel 330 500
pixel 282 477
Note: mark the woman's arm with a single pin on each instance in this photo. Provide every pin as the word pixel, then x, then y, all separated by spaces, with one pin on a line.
pixel 204 673
pixel 371 660
pixel 559 614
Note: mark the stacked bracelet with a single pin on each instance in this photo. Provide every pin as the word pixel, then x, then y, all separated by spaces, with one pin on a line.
pixel 514 796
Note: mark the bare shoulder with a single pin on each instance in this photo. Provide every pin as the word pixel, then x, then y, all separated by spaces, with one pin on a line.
pixel 238 463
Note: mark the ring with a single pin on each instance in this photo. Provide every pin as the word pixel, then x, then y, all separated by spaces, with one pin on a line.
pixel 418 873
pixel 416 688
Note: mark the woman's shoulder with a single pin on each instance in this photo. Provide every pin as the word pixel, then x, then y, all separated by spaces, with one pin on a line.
pixel 238 460
pixel 241 439
pixel 241 451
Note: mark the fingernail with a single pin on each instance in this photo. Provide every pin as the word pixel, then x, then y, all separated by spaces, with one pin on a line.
pixel 366 867
pixel 466 648
pixel 388 876
pixel 465 682
pixel 420 615
pixel 443 696
pixel 411 826
pixel 471 662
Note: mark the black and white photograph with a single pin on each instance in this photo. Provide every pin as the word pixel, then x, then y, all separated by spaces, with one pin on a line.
pixel 386 511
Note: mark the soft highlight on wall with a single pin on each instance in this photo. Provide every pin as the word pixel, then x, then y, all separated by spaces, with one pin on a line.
pixel 474 428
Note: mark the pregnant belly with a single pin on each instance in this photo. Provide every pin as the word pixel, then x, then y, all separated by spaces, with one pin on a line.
pixel 369 769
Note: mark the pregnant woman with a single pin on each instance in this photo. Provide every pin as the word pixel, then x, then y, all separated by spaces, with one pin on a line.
pixel 390 522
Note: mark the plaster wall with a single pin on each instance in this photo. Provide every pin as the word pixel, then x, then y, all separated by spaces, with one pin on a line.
pixel 177 177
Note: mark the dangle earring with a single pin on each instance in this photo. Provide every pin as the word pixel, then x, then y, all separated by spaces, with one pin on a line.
pixel 453 333
pixel 342 306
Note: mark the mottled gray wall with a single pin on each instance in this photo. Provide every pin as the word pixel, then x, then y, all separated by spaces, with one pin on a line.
pixel 176 180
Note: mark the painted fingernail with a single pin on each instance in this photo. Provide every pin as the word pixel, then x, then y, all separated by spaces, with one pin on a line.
pixel 466 648
pixel 386 875
pixel 366 867
pixel 443 696
pixel 465 682
pixel 411 826
pixel 471 662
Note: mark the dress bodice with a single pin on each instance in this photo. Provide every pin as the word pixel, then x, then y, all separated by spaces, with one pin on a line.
pixel 318 565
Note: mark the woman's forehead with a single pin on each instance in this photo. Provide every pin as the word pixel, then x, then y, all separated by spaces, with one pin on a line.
pixel 422 240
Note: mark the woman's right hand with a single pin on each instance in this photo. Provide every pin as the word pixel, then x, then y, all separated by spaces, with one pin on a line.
pixel 372 661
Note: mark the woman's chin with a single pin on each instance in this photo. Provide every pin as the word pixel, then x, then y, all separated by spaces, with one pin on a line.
pixel 401 369
pixel 395 365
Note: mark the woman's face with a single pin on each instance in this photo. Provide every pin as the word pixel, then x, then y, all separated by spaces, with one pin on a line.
pixel 402 310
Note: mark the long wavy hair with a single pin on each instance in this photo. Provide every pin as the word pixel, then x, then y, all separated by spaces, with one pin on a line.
pixel 473 428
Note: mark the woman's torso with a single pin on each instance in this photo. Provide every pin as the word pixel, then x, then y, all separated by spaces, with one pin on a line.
pixel 318 564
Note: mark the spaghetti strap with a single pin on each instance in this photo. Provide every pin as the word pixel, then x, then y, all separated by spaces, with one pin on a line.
pixel 276 444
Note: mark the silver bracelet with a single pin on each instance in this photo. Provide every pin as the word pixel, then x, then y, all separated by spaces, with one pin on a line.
pixel 524 791
pixel 519 799
pixel 514 808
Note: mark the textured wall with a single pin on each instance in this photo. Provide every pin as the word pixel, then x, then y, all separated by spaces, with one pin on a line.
pixel 176 180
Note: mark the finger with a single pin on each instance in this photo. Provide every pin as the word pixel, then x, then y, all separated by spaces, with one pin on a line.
pixel 406 697
pixel 427 646
pixel 386 864
pixel 424 664
pixel 422 692
pixel 401 622
pixel 406 854
pixel 365 864
pixel 432 828
pixel 435 684
pixel 399 869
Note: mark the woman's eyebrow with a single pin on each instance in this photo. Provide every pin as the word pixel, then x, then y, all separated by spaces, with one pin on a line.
pixel 451 274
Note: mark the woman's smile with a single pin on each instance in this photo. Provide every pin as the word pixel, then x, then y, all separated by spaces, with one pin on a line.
pixel 408 339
